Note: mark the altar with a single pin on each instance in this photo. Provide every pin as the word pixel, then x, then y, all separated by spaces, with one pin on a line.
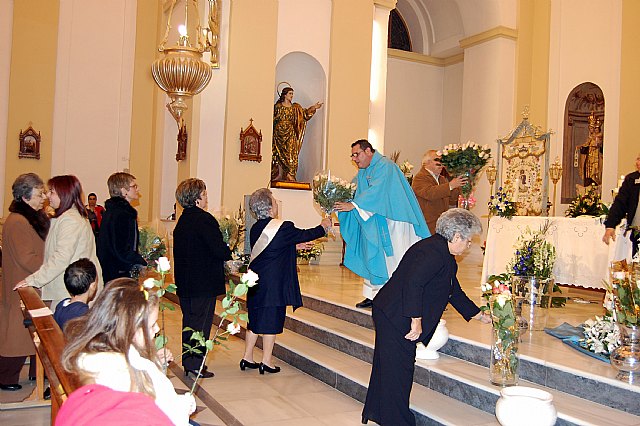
pixel 582 258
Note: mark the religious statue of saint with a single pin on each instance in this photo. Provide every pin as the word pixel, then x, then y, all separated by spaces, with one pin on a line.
pixel 591 154
pixel 289 124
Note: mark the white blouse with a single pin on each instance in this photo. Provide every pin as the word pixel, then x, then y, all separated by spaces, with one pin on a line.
pixel 110 369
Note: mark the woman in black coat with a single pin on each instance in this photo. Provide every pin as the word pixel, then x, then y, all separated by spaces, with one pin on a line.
pixel 117 246
pixel 273 258
pixel 407 310
pixel 199 253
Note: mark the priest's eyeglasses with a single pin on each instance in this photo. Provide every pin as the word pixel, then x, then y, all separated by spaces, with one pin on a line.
pixel 355 154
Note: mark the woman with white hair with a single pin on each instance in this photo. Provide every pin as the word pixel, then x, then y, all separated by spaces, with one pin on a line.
pixel 273 258
pixel 407 310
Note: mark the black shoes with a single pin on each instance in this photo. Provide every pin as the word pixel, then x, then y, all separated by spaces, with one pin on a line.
pixel 32 378
pixel 12 387
pixel 47 393
pixel 366 303
pixel 205 374
pixel 246 364
pixel 264 367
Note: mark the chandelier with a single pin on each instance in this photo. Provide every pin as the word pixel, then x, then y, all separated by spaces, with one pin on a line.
pixel 181 72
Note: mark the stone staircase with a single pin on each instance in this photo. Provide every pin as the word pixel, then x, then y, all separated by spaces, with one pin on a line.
pixel 334 344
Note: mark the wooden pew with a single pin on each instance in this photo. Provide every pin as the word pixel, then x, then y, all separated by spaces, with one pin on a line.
pixel 49 343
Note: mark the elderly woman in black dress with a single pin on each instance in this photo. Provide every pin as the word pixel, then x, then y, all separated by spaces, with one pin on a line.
pixel 273 258
pixel 407 310
pixel 199 253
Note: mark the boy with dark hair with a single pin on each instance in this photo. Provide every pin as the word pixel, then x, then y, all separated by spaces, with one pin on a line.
pixel 80 279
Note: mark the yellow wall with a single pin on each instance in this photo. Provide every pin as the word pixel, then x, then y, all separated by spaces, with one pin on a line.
pixel 349 71
pixel 145 158
pixel 629 146
pixel 532 60
pixel 252 50
pixel 31 86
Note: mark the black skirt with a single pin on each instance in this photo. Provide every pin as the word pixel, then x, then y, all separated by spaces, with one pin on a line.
pixel 267 319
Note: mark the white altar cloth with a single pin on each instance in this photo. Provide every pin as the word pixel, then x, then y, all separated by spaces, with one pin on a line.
pixel 582 258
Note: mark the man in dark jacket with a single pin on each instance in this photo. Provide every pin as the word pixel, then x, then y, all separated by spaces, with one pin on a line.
pixel 626 205
pixel 118 239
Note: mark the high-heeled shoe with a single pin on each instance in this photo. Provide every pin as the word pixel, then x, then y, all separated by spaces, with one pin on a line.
pixel 264 367
pixel 205 374
pixel 246 364
pixel 365 420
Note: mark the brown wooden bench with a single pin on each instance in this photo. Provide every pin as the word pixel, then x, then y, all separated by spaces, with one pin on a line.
pixel 49 342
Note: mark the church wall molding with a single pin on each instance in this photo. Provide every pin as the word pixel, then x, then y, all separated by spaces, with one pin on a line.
pixel 485 36
pixel 425 59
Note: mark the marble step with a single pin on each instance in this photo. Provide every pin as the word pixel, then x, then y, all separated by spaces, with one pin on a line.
pixel 561 369
pixel 350 376
pixel 455 378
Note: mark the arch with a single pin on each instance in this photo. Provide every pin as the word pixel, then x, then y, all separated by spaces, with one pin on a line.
pixel 309 81
pixel 582 143
pixel 399 37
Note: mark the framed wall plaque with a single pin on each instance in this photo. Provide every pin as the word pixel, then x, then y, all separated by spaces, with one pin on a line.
pixel 250 143
pixel 29 144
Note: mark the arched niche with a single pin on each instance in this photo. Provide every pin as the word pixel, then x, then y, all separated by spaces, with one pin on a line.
pixel 583 100
pixel 308 79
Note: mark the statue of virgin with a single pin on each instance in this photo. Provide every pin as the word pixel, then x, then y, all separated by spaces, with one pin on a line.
pixel 289 124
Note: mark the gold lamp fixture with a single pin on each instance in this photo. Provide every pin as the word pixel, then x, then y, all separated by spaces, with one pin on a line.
pixel 555 173
pixel 492 173
pixel 181 72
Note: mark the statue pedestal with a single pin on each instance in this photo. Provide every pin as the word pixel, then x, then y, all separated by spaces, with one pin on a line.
pixel 305 186
pixel 298 207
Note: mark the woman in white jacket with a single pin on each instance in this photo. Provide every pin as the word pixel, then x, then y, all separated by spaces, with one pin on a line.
pixel 113 346
pixel 70 238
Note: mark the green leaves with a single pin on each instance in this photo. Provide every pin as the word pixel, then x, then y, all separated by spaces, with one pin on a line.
pixel 160 341
pixel 240 290
pixel 231 312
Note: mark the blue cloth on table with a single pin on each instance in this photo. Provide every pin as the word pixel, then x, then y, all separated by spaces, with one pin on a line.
pixel 571 335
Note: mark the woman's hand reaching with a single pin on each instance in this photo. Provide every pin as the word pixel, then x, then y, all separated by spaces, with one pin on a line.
pixel 416 329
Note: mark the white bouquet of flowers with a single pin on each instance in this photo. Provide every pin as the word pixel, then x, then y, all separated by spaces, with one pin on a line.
pixel 601 335
pixel 328 190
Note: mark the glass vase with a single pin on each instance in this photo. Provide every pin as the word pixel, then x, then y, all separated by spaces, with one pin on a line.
pixel 464 203
pixel 503 367
pixel 533 300
pixel 626 357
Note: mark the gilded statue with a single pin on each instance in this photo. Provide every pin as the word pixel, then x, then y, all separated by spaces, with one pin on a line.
pixel 289 124
pixel 591 154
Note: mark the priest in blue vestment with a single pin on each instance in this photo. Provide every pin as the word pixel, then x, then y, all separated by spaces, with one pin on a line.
pixel 381 223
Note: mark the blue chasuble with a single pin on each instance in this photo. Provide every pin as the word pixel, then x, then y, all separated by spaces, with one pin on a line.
pixel 383 191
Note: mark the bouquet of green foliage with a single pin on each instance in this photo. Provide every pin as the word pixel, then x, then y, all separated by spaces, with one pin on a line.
pixel 150 245
pixel 466 160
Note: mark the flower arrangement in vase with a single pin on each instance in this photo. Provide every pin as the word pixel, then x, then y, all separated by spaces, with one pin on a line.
pixel 587 204
pixel 535 257
pixel 503 367
pixel 624 285
pixel 151 247
pixel 501 205
pixel 303 256
pixel 405 167
pixel 466 160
